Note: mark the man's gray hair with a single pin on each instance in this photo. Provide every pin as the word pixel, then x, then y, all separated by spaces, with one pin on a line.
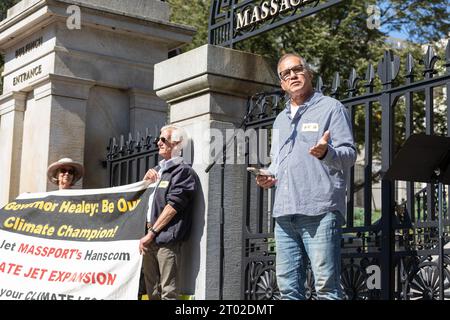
pixel 177 134
pixel 289 55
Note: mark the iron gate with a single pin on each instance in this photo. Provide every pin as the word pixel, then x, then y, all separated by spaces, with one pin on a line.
pixel 401 240
pixel 129 159
pixel 400 243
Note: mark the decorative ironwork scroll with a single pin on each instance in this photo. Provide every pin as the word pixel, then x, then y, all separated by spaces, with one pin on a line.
pixel 381 258
pixel 232 21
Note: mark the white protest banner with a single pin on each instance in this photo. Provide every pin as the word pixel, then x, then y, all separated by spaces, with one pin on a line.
pixel 73 244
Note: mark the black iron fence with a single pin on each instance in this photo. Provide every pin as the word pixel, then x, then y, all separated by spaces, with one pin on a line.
pixel 129 159
pixel 389 254
pixel 392 253
pixel 231 20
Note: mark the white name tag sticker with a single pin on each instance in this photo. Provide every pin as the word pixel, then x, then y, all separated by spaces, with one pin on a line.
pixel 163 184
pixel 310 127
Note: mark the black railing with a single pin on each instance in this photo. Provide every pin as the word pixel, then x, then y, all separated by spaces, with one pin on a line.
pixel 231 21
pixel 400 243
pixel 389 255
pixel 129 159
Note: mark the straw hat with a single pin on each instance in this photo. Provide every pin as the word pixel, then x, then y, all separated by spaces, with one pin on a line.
pixel 52 170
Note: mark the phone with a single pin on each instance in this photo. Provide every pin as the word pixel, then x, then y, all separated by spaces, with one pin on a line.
pixel 256 171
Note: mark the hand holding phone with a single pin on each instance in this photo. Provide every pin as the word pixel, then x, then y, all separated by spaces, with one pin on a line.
pixel 257 172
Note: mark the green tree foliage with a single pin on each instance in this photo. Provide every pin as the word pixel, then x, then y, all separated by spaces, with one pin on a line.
pixel 339 39
pixel 333 40
pixel 192 13
pixel 423 21
pixel 336 39
pixel 4 6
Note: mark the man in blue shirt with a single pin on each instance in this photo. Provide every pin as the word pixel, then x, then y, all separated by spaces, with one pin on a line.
pixel 312 153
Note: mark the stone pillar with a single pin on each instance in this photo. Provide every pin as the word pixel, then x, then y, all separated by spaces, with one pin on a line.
pixel 207 90
pixel 58 104
pixel 146 105
pixel 12 107
pixel 83 84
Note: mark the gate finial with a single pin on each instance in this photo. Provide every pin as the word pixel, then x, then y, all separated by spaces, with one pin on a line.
pixel 352 82
pixel 430 60
pixel 388 68
pixel 336 85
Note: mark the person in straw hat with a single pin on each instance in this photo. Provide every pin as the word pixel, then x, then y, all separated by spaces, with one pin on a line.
pixel 65 173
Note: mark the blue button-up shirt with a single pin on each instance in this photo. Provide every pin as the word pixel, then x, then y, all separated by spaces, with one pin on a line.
pixel 307 185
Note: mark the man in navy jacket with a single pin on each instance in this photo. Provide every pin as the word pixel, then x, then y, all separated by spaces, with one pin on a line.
pixel 169 215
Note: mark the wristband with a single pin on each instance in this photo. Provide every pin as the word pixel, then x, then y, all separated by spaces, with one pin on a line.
pixel 153 231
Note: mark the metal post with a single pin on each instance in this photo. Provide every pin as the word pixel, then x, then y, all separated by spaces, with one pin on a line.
pixel 441 244
pixel 222 218
pixel 387 201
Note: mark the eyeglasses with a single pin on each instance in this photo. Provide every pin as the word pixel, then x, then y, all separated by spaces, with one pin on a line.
pixel 69 171
pixel 164 140
pixel 286 74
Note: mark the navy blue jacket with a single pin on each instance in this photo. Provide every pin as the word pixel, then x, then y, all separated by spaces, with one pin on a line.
pixel 177 187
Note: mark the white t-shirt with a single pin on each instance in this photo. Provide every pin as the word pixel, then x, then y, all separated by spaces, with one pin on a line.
pixel 294 110
pixel 163 165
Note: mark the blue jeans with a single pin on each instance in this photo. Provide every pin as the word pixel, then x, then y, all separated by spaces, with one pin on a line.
pixel 299 237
